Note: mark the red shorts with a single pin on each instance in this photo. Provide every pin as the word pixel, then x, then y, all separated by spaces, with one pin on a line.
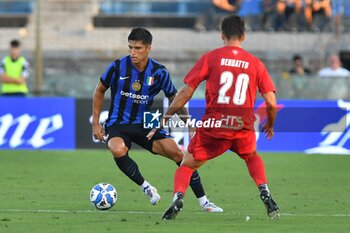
pixel 204 147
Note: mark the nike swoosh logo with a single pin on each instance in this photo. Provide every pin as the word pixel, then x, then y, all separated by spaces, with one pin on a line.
pixel 122 78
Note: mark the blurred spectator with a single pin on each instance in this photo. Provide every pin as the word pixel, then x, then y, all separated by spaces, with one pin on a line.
pixel 268 8
pixel 335 69
pixel 298 67
pixel 340 14
pixel 251 11
pixel 211 19
pixel 283 9
pixel 14 71
pixel 226 5
pixel 308 14
pixel 301 20
pixel 291 15
pixel 321 13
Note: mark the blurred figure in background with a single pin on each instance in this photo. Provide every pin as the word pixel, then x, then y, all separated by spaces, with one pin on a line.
pixel 280 15
pixel 321 13
pixel 298 67
pixel 14 71
pixel 211 19
pixel 334 69
pixel 340 15
pixel 226 5
pixel 252 13
pixel 290 15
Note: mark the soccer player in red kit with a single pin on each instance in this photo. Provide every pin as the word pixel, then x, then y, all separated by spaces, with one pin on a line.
pixel 233 76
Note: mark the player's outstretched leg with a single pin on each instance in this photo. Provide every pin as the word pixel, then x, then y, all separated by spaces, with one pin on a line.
pixel 175 207
pixel 129 167
pixel 181 182
pixel 169 149
pixel 198 190
pixel 256 170
pixel 272 209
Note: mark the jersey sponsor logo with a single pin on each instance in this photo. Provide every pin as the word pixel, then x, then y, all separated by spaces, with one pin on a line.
pixel 122 78
pixel 19 127
pixel 232 122
pixel 139 99
pixel 337 134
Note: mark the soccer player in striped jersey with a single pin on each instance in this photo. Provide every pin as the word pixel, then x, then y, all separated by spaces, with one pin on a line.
pixel 134 81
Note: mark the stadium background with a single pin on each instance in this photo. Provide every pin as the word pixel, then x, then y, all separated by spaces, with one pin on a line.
pixel 69 43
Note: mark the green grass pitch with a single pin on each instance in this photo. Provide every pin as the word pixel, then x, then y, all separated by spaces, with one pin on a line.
pixel 48 191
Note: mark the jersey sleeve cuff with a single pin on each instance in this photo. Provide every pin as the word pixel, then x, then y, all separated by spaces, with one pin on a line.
pixel 171 94
pixel 104 83
pixel 266 91
pixel 191 84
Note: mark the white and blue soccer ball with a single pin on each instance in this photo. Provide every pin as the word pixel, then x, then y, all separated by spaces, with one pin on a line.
pixel 103 196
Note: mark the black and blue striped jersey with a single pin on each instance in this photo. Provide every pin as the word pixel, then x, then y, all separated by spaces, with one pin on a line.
pixel 132 91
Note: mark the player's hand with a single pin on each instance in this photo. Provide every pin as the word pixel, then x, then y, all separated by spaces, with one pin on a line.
pixel 151 133
pixel 98 133
pixel 192 131
pixel 268 131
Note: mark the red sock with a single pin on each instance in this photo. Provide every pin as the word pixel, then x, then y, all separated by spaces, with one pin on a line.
pixel 182 179
pixel 256 168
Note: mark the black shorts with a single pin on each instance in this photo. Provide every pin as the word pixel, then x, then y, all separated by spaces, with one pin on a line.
pixel 135 133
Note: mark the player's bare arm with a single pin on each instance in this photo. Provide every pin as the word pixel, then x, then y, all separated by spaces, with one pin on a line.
pixel 183 114
pixel 178 103
pixel 267 128
pixel 98 100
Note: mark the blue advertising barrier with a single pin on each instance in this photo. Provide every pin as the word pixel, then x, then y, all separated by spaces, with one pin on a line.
pixel 37 123
pixel 308 126
pixel 320 127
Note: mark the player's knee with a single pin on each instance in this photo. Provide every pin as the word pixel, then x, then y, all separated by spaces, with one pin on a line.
pixel 247 156
pixel 117 146
pixel 177 156
pixel 118 150
pixel 192 164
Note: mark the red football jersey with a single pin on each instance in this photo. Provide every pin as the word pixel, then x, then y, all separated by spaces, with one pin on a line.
pixel 233 77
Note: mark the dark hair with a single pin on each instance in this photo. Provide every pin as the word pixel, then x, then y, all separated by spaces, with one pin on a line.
pixel 297 57
pixel 15 43
pixel 141 34
pixel 233 27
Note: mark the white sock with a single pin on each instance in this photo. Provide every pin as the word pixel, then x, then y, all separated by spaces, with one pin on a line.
pixel 203 200
pixel 144 185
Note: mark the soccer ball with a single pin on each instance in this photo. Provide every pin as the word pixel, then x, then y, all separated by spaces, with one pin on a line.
pixel 103 196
